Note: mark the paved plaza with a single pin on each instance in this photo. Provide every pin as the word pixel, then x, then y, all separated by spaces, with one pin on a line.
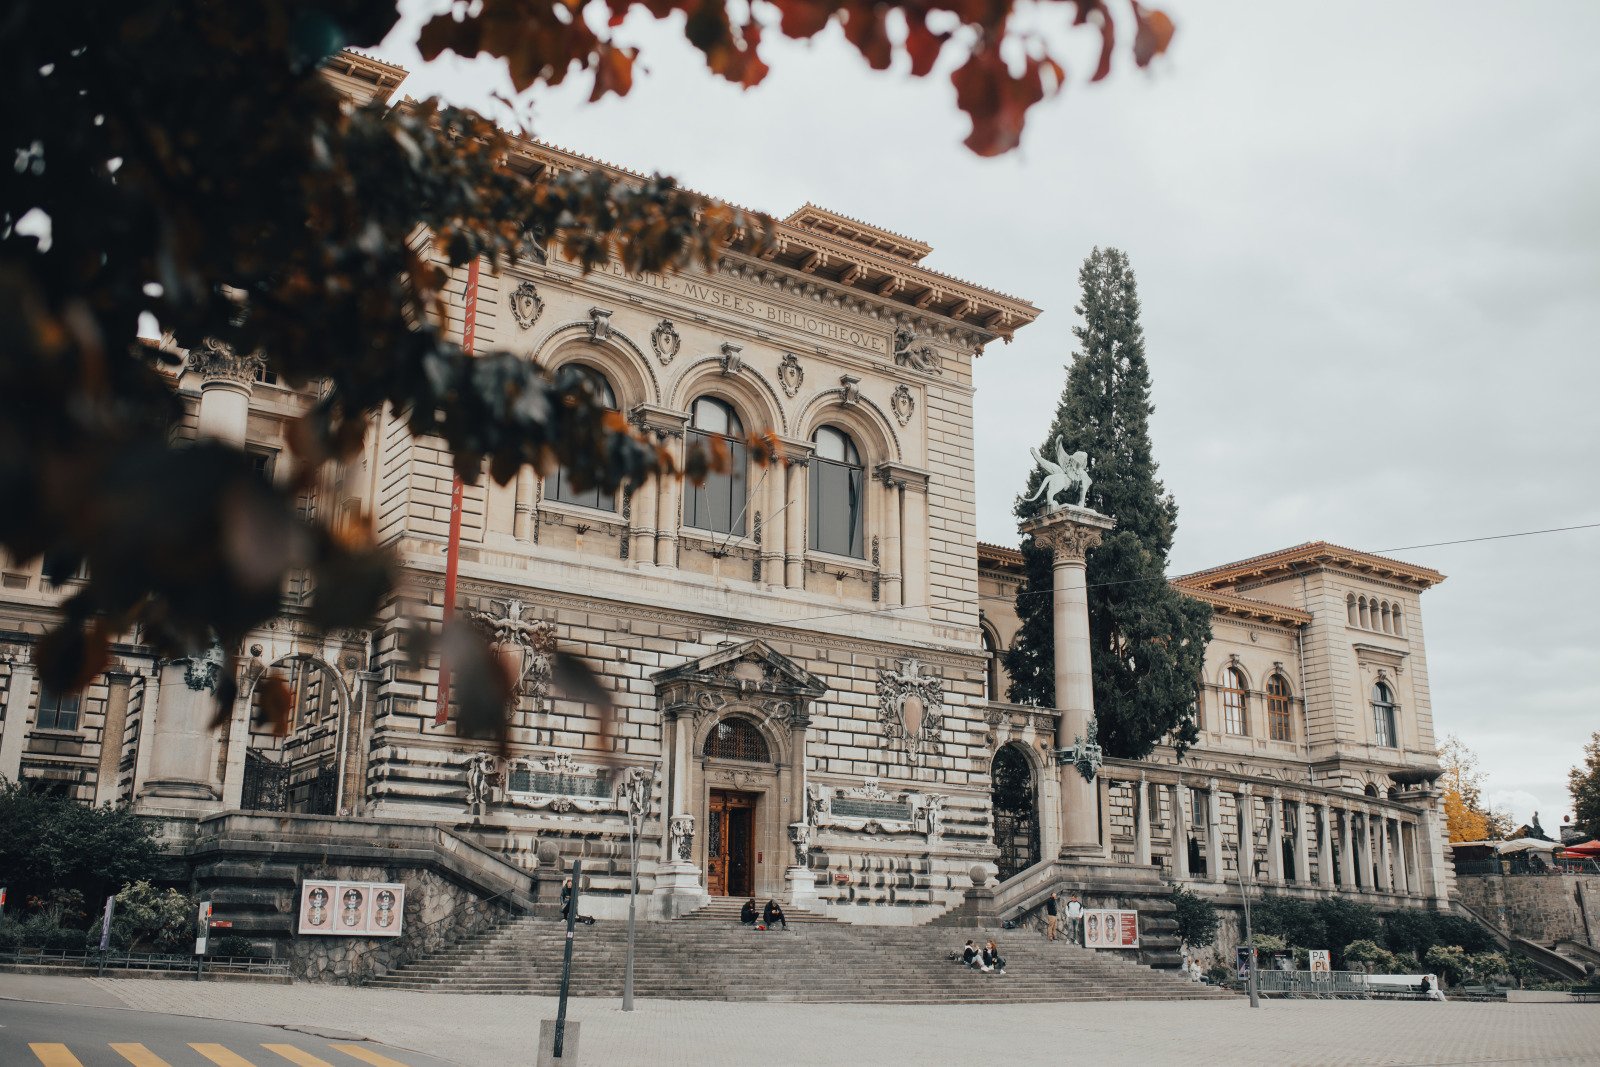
pixel 499 1030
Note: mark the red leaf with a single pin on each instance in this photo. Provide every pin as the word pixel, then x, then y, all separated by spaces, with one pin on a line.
pixel 1154 35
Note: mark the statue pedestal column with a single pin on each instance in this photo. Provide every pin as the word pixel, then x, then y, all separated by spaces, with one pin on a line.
pixel 680 888
pixel 1069 532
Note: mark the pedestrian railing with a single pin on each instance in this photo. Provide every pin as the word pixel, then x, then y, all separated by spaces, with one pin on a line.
pixel 142 961
pixel 1316 984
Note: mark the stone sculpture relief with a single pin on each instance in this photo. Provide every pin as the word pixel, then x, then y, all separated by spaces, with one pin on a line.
pixel 909 703
pixel 665 341
pixel 1060 476
pixel 484 778
pixel 526 306
pixel 908 353
pixel 870 809
pixel 200 672
pixel 800 836
pixel 903 403
pixel 681 830
pixel 599 324
pixel 790 374
pixel 527 649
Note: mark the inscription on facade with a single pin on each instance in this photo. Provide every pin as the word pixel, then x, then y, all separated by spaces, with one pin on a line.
pixel 852 808
pixel 702 291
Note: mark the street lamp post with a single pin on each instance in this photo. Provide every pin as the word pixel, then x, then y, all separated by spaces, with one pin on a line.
pixel 1249 937
pixel 635 794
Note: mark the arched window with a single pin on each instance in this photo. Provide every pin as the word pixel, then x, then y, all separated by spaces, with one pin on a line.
pixel 1399 627
pixel 991 667
pixel 1350 608
pixel 717 505
pixel 1383 715
pixel 737 738
pixel 1278 720
pixel 1366 624
pixel 1233 701
pixel 1386 617
pixel 558 486
pixel 837 482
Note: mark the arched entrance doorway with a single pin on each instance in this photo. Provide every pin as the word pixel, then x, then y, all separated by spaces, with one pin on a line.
pixel 1016 810
pixel 292 766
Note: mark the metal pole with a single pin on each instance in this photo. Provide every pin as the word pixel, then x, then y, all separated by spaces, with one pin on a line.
pixel 1249 938
pixel 566 961
pixel 633 894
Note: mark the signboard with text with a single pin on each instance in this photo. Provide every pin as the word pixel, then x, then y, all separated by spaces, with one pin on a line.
pixel 1110 928
pixel 352 909
pixel 1320 962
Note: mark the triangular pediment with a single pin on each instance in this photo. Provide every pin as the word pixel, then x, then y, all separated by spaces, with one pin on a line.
pixel 750 667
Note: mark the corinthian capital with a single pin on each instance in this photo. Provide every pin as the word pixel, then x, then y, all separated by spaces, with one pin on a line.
pixel 216 361
pixel 1069 533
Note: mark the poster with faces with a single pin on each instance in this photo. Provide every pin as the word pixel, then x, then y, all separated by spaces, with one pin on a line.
pixel 352 909
pixel 1110 928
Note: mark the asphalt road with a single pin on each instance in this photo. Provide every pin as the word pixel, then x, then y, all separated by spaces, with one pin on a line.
pixel 60 1035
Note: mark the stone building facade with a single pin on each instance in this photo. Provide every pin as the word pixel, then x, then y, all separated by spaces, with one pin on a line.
pixel 800 655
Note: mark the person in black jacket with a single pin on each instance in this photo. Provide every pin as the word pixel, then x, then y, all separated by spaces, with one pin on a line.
pixel 566 903
pixel 772 915
pixel 747 914
pixel 1050 916
pixel 992 960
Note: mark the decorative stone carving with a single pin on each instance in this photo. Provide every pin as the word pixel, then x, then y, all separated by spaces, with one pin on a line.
pixel 790 374
pixel 200 672
pixel 527 649
pixel 909 703
pixel 903 403
pixel 1069 540
pixel 484 777
pixel 681 830
pixel 665 341
pixel 908 353
pixel 752 675
pixel 730 359
pixel 849 390
pixel 16 654
pixel 1085 752
pixel 216 361
pixel 599 324
pixel 870 809
pixel 526 307
pixel 1060 475
pixel 800 837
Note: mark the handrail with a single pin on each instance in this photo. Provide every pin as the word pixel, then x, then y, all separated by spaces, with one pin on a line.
pixel 432 936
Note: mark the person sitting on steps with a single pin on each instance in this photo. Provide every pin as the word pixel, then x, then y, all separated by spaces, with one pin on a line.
pixel 772 915
pixel 747 914
pixel 992 960
pixel 566 903
pixel 972 956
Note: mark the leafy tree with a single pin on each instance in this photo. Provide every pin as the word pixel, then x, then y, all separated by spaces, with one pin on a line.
pixel 183 159
pixel 1297 921
pixel 1467 817
pixel 151 919
pixel 1367 951
pixel 1456 930
pixel 62 853
pixel 1584 783
pixel 1449 962
pixel 1196 918
pixel 1346 921
pixel 1410 932
pixel 1148 639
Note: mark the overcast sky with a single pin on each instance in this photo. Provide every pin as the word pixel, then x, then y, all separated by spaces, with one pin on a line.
pixel 1367 238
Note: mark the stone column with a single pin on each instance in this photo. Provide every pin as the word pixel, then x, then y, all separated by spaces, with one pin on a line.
pixel 1180 832
pixel 1069 533
pixel 1245 803
pixel 794 548
pixel 678 887
pixel 1275 838
pixel 14 731
pixel 1141 823
pixel 774 525
pixel 1214 832
pixel 226 380
pixel 889 552
pixel 1302 850
pixel 1386 863
pixel 111 737
pixel 799 881
pixel 669 496
pixel 1401 859
pixel 642 513
pixel 1347 863
pixel 182 751
pixel 1324 847
pixel 1369 863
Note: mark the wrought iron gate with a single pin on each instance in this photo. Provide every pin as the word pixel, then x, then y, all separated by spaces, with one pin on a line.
pixel 1016 812
pixel 266 784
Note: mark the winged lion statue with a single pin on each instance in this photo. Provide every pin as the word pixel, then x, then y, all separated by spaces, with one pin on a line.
pixel 1060 475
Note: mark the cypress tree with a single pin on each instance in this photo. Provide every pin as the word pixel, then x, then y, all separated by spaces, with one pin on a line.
pixel 1147 640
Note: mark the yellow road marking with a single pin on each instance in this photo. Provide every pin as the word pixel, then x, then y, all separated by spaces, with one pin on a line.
pixel 54 1055
pixel 221 1056
pixel 138 1055
pixel 297 1055
pixel 366 1055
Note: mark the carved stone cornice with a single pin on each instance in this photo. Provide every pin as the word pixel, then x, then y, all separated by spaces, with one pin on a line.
pixel 902 476
pixel 663 422
pixel 216 361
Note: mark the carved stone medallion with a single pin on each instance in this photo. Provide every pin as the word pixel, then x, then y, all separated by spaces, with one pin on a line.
pixel 904 404
pixel 909 707
pixel 790 374
pixel 526 307
pixel 665 341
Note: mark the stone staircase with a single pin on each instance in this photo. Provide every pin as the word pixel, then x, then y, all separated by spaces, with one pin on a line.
pixel 708 955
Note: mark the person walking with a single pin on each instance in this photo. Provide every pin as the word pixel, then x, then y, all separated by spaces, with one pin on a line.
pixel 1051 917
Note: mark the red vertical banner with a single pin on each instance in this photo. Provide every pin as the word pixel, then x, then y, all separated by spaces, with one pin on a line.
pixel 452 552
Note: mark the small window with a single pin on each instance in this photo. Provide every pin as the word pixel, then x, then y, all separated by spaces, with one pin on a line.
pixel 1233 701
pixel 1399 627
pixel 1278 720
pixel 837 483
pixel 1350 609
pixel 718 504
pixel 1383 715
pixel 57 711
pixel 262 462
pixel 558 486
pixel 737 738
pixel 991 667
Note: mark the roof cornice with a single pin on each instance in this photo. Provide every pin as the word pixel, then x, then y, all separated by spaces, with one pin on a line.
pixel 1312 556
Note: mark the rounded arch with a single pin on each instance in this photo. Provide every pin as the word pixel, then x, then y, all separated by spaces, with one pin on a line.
pixel 1371 790
pixel 993 649
pixel 619 359
pixel 1245 682
pixel 737 737
pixel 863 420
pixel 750 394
pixel 774 735
pixel 1350 609
pixel 1014 800
pixel 298 660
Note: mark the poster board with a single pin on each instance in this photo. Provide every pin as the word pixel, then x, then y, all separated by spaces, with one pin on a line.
pixel 1320 961
pixel 352 909
pixel 1110 928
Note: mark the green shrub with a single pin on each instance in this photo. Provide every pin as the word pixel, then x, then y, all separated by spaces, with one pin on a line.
pixel 147 919
pixel 1368 951
pixel 1218 973
pixel 51 847
pixel 1465 933
pixel 1196 917
pixel 231 945
pixel 1344 922
pixel 1410 932
pixel 1296 921
pixel 1487 966
pixel 1449 962
pixel 1266 943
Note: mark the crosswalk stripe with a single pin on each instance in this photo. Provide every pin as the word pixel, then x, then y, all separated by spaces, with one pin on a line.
pixel 297 1055
pixel 220 1056
pixel 54 1055
pixel 138 1055
pixel 366 1055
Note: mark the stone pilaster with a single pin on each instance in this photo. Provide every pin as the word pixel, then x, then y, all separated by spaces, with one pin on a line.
pixel 1214 831
pixel 14 731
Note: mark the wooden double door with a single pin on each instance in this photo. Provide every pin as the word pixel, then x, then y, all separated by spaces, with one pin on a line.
pixel 731 844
